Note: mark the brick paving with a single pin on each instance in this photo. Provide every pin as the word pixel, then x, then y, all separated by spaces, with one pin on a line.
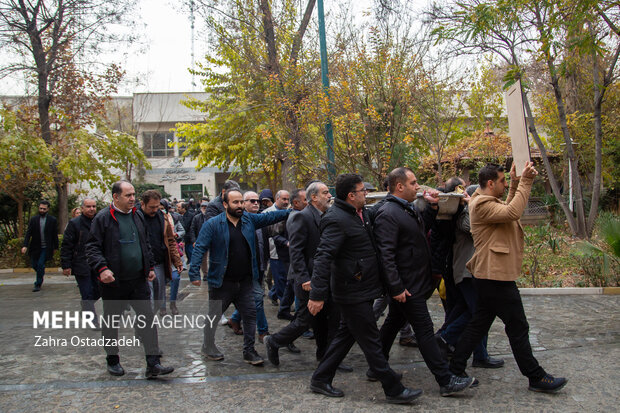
pixel 574 336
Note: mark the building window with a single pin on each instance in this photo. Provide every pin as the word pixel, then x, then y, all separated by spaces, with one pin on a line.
pixel 182 144
pixel 156 145
pixel 191 191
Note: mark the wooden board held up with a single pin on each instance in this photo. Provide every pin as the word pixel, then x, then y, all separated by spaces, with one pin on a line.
pixel 517 128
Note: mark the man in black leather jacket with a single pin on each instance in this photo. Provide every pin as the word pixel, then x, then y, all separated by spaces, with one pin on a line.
pixel 347 247
pixel 73 256
pixel 405 254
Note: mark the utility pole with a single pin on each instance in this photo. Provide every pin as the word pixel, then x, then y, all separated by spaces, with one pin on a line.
pixel 192 20
pixel 329 133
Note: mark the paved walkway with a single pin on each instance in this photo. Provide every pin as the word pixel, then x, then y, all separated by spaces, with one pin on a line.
pixel 574 336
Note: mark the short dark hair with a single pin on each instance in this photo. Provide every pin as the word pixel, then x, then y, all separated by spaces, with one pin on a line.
pixel 397 176
pixel 386 184
pixel 117 186
pixel 230 184
pixel 295 194
pixel 489 172
pixel 228 191
pixel 346 183
pixel 452 183
pixel 44 202
pixel 150 194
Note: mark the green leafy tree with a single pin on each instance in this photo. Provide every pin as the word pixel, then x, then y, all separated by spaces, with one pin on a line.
pixel 258 87
pixel 24 160
pixel 375 73
pixel 439 104
pixel 43 38
pixel 539 41
pixel 100 158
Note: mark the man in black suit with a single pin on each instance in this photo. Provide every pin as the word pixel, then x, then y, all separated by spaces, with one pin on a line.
pixel 303 235
pixel 346 266
pixel 41 241
pixel 73 256
pixel 400 233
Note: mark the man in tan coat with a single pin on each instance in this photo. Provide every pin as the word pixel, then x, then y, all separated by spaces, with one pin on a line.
pixel 496 264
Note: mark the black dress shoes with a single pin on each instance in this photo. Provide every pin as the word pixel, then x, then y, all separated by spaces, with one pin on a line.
pixel 408 342
pixel 213 354
pixel 325 389
pixel 407 396
pixel 286 316
pixel 371 376
pixel 158 370
pixel 345 368
pixel 116 369
pixel 293 348
pixel 489 363
pixel 272 351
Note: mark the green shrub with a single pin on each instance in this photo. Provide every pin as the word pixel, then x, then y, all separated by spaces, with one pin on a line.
pixel 600 259
pixel 12 257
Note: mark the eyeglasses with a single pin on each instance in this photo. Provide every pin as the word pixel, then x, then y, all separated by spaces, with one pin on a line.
pixel 362 190
pixel 254 201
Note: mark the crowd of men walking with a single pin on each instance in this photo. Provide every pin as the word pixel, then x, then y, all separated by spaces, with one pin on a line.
pixel 340 266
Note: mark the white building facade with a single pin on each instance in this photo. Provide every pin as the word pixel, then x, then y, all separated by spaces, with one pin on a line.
pixel 155 116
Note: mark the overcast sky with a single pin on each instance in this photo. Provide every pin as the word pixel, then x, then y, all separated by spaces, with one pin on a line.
pixel 162 64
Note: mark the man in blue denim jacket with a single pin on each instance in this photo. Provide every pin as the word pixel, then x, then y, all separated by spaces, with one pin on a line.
pixel 230 238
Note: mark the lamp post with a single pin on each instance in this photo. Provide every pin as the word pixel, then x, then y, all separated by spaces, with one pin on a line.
pixel 329 133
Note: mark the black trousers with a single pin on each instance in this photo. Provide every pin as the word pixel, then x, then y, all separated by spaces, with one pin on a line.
pixel 415 311
pixel 116 296
pixel 358 325
pixel 241 294
pixel 498 299
pixel 89 290
pixel 324 324
pixel 288 297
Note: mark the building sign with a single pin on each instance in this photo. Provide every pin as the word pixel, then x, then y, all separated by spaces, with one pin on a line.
pixel 176 172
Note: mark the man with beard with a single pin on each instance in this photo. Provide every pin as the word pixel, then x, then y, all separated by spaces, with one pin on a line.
pixel 230 238
pixel 495 265
pixel 73 256
pixel 163 247
pixel 251 206
pixel 303 229
pixel 41 241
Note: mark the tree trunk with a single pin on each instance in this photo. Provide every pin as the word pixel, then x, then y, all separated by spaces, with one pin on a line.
pixel 439 170
pixel 572 158
pixel 579 227
pixel 552 180
pixel 599 93
pixel 20 219
pixel 287 170
pixel 63 205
